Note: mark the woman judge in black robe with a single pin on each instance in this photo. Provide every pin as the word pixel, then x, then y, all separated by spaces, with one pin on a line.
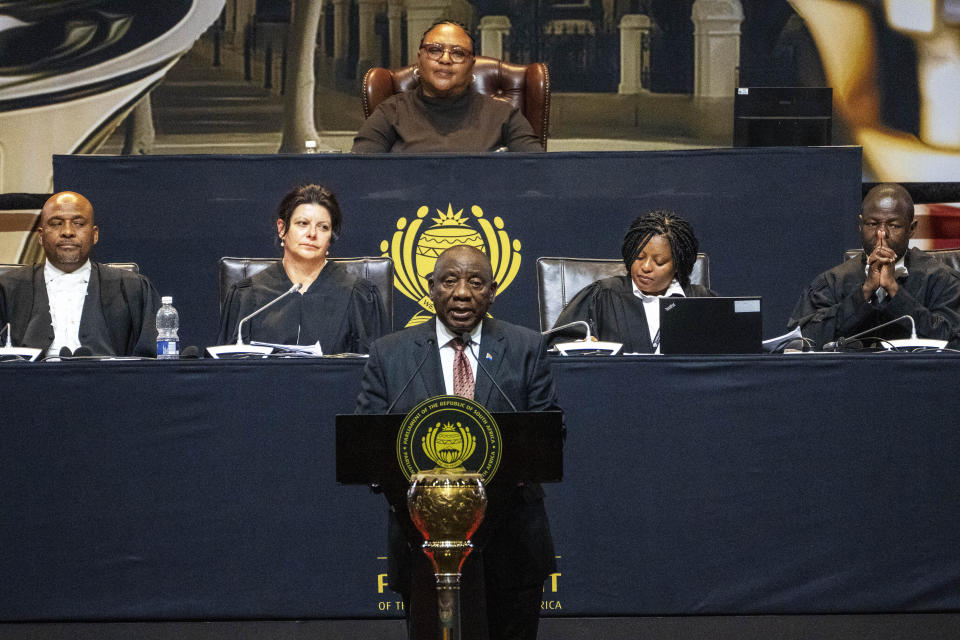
pixel 340 311
pixel 659 251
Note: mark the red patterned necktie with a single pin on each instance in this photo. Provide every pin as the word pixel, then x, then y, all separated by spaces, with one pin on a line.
pixel 462 372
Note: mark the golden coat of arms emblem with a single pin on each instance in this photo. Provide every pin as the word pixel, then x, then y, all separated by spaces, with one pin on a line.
pixel 448 445
pixel 415 247
pixel 449 433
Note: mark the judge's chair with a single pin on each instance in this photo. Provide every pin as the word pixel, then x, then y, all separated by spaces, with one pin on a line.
pixel 127 266
pixel 525 86
pixel 949 257
pixel 378 270
pixel 560 279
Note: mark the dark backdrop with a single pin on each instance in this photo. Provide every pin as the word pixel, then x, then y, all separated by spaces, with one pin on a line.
pixel 770 219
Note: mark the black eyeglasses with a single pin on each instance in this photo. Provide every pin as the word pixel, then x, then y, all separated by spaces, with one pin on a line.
pixel 435 52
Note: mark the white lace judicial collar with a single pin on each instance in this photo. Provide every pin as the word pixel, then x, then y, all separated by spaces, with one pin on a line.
pixel 65 295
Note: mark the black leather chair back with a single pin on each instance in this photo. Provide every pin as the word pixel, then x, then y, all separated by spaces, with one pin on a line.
pixel 378 270
pixel 949 257
pixel 128 266
pixel 560 279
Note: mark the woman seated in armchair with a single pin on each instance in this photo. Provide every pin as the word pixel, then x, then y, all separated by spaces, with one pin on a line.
pixel 444 113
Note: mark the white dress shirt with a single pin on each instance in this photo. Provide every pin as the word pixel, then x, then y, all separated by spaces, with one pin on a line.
pixel 651 308
pixel 66 293
pixel 448 353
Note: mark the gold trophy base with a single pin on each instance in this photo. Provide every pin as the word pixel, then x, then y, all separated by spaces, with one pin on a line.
pixel 447 506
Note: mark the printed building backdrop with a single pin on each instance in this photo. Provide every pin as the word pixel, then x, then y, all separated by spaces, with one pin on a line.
pixel 219 76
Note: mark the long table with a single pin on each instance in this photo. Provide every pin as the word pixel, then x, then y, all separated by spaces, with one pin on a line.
pixel 804 484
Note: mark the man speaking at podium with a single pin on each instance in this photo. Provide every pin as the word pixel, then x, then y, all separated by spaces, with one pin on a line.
pixel 503 577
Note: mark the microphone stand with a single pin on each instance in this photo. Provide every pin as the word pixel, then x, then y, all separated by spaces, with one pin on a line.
pixel 10 352
pixel 416 370
pixel 912 341
pixel 587 346
pixel 242 348
pixel 465 337
pixel 569 325
pixel 292 289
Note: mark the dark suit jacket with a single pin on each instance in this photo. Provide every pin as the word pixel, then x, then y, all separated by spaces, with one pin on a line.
pixel 516 361
pixel 118 319
pixel 515 537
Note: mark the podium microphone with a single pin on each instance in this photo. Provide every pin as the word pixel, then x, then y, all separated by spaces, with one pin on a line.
pixel 839 344
pixel 283 295
pixel 465 337
pixel 427 352
pixel 9 343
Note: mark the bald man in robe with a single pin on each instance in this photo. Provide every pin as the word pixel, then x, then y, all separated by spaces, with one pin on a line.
pixel 887 281
pixel 71 301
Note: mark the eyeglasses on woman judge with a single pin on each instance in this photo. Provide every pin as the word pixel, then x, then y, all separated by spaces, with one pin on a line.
pixel 436 50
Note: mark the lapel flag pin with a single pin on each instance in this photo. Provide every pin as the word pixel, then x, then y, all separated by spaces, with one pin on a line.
pixel 489 357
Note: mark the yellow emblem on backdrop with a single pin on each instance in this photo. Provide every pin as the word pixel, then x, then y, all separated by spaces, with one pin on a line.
pixel 414 251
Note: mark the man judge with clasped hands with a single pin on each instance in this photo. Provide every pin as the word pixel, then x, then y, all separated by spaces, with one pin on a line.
pixel 887 282
pixel 513 555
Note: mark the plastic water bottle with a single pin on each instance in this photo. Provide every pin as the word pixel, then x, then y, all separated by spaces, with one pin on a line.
pixel 168 323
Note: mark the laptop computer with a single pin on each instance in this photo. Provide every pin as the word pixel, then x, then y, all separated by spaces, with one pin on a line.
pixel 710 325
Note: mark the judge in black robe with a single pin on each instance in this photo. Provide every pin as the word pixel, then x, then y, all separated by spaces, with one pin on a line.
pixel 616 314
pixel 344 313
pixel 659 251
pixel 833 306
pixel 887 282
pixel 118 317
